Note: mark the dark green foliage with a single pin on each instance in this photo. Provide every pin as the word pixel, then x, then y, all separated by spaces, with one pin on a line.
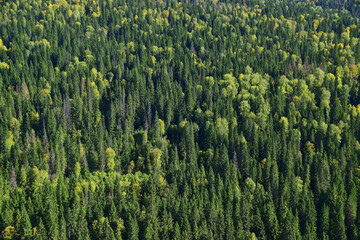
pixel 227 119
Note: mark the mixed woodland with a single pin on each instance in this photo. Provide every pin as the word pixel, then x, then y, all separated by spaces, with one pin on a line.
pixel 169 119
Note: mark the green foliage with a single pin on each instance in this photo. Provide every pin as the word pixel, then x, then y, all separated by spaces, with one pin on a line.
pixel 109 158
pixel 37 178
pixel 156 157
pixel 224 119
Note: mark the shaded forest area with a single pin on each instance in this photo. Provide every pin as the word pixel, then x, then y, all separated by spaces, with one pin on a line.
pixel 175 119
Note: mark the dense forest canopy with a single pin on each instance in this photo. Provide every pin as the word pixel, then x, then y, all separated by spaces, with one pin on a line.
pixel 167 119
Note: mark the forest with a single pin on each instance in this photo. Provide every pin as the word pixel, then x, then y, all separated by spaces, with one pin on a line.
pixel 180 119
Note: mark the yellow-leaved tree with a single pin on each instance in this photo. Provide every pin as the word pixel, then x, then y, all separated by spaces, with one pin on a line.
pixel 9 233
pixel 109 158
pixel 156 158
